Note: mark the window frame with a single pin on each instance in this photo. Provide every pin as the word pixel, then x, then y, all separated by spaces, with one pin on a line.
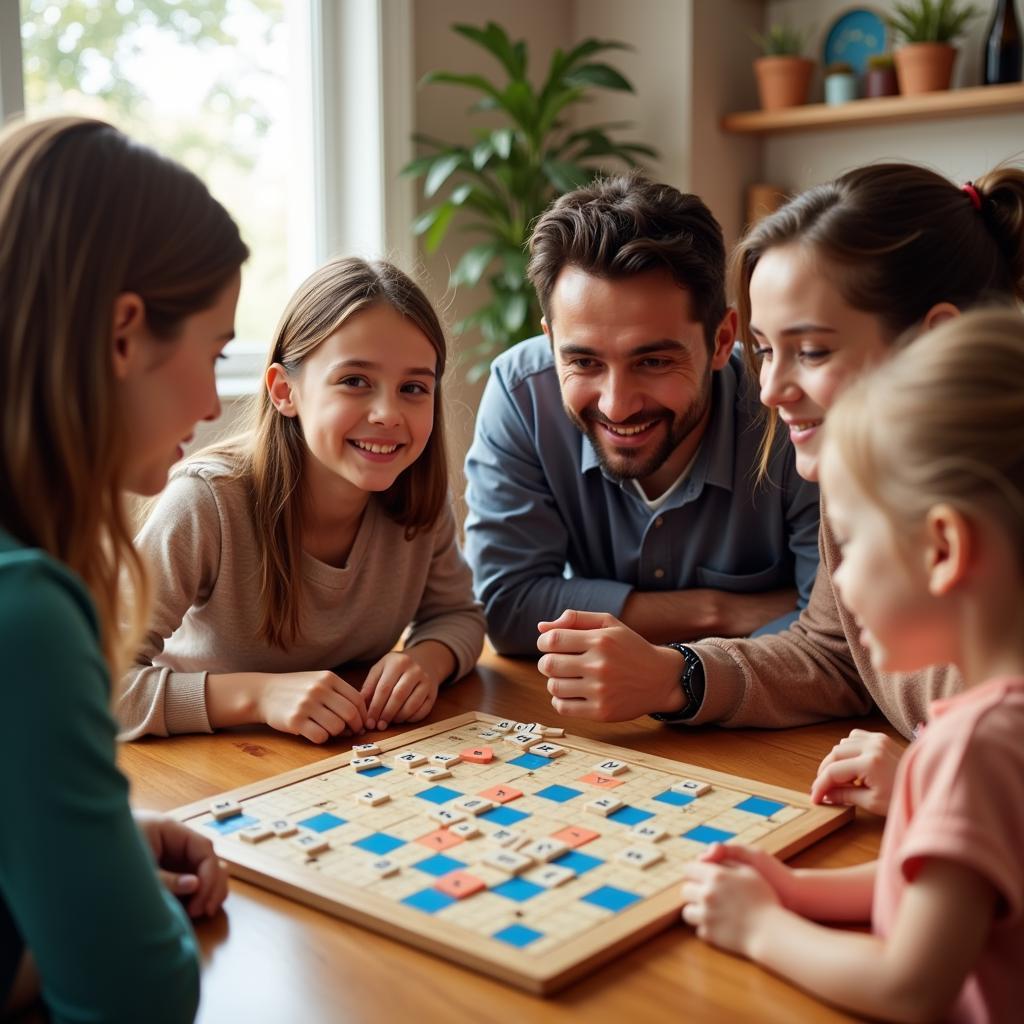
pixel 353 198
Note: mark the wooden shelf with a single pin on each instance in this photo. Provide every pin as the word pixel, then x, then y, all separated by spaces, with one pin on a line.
pixel 985 99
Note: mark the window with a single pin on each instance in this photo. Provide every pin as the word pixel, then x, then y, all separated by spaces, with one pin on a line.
pixel 204 81
pixel 279 105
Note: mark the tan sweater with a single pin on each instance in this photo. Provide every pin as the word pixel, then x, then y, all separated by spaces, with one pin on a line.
pixel 815 670
pixel 200 543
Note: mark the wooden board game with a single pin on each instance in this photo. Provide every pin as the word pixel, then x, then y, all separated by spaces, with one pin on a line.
pixel 533 857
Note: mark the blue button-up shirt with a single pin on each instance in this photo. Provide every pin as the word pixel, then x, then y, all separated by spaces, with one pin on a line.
pixel 549 530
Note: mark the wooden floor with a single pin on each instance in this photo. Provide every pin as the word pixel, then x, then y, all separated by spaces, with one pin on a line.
pixel 268 959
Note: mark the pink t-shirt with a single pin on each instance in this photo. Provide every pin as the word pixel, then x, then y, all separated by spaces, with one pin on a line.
pixel 959 795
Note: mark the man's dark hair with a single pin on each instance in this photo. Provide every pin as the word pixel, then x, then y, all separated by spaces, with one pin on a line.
pixel 625 225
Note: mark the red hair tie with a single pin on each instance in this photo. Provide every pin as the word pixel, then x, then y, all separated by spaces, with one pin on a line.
pixel 972 193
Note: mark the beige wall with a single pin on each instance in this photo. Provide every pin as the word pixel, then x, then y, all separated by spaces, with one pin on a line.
pixel 440 111
pixel 723 165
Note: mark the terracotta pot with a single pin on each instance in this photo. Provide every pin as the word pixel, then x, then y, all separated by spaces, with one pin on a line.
pixel 881 82
pixel 924 67
pixel 783 81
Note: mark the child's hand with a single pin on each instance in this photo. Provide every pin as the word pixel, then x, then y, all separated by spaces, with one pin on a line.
pixel 778 875
pixel 398 689
pixel 317 705
pixel 188 867
pixel 730 905
pixel 859 771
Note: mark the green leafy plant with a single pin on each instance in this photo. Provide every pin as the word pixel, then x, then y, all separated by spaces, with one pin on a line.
pixel 782 41
pixel 839 67
pixel 500 184
pixel 881 62
pixel 931 21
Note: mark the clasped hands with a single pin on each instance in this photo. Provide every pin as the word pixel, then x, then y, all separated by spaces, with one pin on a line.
pixel 599 668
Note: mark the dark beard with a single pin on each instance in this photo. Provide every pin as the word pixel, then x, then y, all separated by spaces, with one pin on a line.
pixel 627 464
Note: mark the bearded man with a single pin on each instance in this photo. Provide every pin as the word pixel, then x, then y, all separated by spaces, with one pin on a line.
pixel 614 466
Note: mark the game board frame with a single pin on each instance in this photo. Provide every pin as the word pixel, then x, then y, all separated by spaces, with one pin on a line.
pixel 539 975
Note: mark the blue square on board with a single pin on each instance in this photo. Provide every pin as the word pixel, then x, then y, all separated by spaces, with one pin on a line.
pixel 321 822
pixel 758 805
pixel 559 794
pixel 438 794
pixel 229 825
pixel 439 865
pixel 629 815
pixel 611 898
pixel 675 799
pixel 530 761
pixel 379 843
pixel 430 901
pixel 503 816
pixel 518 889
pixel 372 772
pixel 707 834
pixel 518 935
pixel 581 863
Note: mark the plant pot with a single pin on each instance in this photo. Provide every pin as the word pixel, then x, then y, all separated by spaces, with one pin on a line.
pixel 881 82
pixel 783 81
pixel 924 67
pixel 840 88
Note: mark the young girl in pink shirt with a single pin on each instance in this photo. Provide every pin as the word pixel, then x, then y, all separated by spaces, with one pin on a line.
pixel 923 480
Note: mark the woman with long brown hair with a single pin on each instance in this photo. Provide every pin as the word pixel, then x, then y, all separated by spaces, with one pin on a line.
pixel 317 537
pixel 119 276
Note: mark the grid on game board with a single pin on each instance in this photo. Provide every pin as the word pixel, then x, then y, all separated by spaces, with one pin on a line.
pixel 514 909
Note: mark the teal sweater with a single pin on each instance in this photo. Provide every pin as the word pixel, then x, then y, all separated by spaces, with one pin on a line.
pixel 77 881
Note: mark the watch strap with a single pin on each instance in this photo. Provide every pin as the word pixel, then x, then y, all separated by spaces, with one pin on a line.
pixel 691 681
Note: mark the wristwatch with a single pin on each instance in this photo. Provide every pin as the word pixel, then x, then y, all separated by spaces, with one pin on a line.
pixel 691 680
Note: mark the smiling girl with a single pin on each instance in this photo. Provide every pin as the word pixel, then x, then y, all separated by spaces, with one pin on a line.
pixel 318 537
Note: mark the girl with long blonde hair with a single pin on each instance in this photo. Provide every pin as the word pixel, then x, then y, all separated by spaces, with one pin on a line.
pixel 317 537
pixel 922 474
pixel 119 275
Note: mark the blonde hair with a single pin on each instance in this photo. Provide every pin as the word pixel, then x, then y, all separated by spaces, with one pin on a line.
pixel 85 215
pixel 942 423
pixel 897 239
pixel 269 456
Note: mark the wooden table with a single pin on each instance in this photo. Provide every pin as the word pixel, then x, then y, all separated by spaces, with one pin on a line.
pixel 270 960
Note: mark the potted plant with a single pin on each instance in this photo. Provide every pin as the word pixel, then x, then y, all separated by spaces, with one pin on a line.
pixel 924 63
pixel 840 83
pixel 880 79
pixel 499 185
pixel 783 73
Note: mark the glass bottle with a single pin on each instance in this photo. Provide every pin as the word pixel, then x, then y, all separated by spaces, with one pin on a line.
pixel 1002 57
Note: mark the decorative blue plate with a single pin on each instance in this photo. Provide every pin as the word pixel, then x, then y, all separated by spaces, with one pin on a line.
pixel 854 36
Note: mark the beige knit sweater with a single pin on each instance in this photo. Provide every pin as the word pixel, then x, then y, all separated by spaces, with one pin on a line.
pixel 200 543
pixel 815 670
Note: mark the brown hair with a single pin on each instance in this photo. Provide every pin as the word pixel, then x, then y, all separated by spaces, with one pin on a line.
pixel 896 240
pixel 85 215
pixel 269 456
pixel 626 225
pixel 942 423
